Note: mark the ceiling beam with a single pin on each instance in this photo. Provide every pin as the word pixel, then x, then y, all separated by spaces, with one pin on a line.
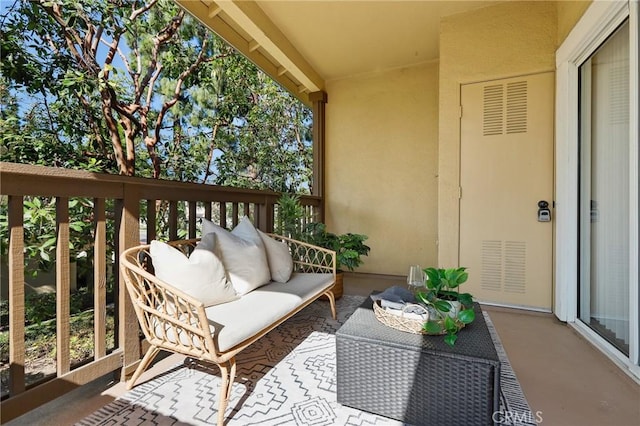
pixel 250 17
pixel 246 27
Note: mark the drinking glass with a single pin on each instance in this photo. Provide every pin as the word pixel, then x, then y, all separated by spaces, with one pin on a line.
pixel 415 279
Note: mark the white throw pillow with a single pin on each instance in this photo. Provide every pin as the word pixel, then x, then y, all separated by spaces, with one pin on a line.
pixel 279 258
pixel 242 253
pixel 201 275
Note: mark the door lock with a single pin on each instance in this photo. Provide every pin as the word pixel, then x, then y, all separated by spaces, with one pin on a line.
pixel 544 213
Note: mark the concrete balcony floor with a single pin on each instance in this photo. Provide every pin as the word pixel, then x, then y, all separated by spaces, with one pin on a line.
pixel 565 379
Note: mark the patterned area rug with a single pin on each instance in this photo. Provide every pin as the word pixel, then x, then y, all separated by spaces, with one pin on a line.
pixel 286 378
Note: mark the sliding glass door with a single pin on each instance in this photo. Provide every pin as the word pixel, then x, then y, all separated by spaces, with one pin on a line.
pixel 604 195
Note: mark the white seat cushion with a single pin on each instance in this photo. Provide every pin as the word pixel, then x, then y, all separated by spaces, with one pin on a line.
pixel 201 275
pixel 242 253
pixel 241 319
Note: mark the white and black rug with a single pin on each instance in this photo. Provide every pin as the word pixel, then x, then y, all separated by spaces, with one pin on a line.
pixel 286 378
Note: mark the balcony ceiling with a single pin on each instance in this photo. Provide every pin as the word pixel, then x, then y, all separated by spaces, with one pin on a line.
pixel 305 43
pixel 345 38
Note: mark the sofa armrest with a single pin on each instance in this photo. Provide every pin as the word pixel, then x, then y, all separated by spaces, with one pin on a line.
pixel 169 318
pixel 308 257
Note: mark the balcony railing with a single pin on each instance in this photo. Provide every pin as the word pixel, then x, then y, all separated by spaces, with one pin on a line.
pixel 125 211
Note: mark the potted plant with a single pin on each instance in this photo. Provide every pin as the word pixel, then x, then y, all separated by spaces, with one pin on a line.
pixel 349 247
pixel 449 310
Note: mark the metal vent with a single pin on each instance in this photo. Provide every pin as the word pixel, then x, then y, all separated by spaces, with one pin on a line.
pixel 515 258
pixel 491 275
pixel 504 266
pixel 505 116
pixel 493 112
pixel 517 107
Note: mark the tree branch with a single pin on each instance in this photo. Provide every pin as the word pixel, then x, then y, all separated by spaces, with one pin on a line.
pixel 152 82
pixel 71 37
pixel 119 52
pixel 208 172
pixel 111 53
pixel 51 120
pixel 163 37
pixel 92 124
pixel 143 9
pixel 96 41
pixel 176 94
pixel 112 126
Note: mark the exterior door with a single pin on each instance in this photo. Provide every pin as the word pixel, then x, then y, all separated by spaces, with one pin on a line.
pixel 605 179
pixel 506 169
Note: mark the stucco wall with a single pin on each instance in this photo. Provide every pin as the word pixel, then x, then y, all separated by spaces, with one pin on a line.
pixel 509 39
pixel 381 149
pixel 569 12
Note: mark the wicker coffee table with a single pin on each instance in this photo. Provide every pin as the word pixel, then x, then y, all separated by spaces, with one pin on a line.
pixel 415 378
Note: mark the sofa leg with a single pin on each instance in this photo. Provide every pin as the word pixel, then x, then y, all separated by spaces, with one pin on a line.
pixel 332 302
pixel 146 360
pixel 228 372
pixel 232 376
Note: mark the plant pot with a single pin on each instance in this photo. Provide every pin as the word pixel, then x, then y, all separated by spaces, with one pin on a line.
pixel 436 316
pixel 455 308
pixel 338 288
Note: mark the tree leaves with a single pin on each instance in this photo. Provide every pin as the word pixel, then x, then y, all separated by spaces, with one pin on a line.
pixel 97 75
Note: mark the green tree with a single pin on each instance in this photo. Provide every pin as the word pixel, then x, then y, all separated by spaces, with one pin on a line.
pixel 79 43
pixel 144 88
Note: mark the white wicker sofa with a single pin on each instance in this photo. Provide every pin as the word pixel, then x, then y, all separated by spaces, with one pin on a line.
pixel 185 316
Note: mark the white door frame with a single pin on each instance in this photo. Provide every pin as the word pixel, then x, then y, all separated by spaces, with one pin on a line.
pixel 597 23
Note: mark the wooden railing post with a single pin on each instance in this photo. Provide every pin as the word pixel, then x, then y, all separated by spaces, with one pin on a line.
pixel 223 214
pixel 173 220
pixel 129 236
pixel 100 277
pixel 63 287
pixel 16 295
pixel 264 215
pixel 151 220
pixel 234 214
pixel 192 219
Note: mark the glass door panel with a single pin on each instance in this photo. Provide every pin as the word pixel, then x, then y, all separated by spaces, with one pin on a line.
pixel 604 190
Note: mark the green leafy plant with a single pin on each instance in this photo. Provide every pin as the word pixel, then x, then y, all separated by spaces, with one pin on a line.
pixel 349 247
pixel 40 233
pixel 289 222
pixel 449 310
pixel 40 307
pixel 289 217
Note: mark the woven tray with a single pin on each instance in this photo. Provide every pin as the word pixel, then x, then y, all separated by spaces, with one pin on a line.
pixel 398 322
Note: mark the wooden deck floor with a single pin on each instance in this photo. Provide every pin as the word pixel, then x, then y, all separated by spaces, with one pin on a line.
pixel 566 380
